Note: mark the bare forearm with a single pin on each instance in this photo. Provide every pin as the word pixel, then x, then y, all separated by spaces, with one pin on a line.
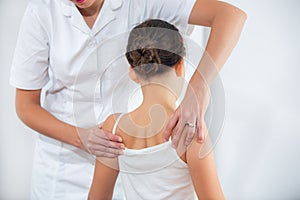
pixel 226 22
pixel 40 120
pixel 225 31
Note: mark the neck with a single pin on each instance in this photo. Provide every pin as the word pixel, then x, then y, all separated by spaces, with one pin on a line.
pixel 156 94
pixel 92 10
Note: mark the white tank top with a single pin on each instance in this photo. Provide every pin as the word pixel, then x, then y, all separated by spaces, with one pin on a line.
pixel 154 173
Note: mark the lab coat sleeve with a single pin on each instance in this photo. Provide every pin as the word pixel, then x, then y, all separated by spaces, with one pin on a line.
pixel 173 11
pixel 31 57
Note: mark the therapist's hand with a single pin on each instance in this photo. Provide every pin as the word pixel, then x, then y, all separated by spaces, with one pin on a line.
pixel 191 110
pixel 100 143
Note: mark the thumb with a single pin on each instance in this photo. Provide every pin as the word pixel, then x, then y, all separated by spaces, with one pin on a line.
pixel 100 125
pixel 170 126
pixel 200 129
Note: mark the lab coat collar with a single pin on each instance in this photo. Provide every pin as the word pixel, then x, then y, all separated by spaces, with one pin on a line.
pixel 108 13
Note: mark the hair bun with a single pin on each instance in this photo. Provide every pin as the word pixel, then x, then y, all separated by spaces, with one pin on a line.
pixel 153 47
pixel 147 56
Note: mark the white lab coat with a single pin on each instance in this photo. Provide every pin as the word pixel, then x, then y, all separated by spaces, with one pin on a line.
pixel 56 49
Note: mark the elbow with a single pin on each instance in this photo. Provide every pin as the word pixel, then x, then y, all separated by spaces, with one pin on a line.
pixel 231 12
pixel 27 103
pixel 24 110
pixel 242 15
pixel 94 196
pixel 21 111
pixel 237 13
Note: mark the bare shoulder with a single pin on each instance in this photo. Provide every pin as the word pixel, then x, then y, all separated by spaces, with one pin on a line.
pixel 197 150
pixel 200 160
pixel 110 121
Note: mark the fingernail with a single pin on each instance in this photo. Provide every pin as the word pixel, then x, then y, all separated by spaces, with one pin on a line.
pixel 120 139
pixel 122 146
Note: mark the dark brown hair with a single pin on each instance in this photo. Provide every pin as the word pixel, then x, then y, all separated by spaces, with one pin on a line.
pixel 154 46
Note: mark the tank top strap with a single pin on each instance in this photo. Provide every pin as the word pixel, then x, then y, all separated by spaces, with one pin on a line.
pixel 117 122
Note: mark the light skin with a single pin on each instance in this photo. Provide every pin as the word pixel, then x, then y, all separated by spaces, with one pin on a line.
pixel 226 22
pixel 203 171
pixel 89 10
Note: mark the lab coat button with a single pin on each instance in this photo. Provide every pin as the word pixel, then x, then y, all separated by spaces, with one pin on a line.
pixel 92 44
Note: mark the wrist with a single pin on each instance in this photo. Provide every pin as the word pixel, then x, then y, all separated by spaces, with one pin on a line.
pixel 198 85
pixel 75 138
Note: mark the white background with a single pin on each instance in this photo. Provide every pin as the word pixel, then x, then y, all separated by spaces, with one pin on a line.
pixel 258 154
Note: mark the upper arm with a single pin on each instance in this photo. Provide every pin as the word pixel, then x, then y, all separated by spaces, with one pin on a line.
pixel 103 182
pixel 203 171
pixel 205 11
pixel 105 172
pixel 31 56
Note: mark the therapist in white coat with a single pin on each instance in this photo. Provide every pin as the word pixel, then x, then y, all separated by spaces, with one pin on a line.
pixel 56 37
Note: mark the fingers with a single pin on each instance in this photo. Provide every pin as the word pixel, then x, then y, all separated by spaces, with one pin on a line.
pixel 183 131
pixel 112 137
pixel 170 126
pixel 104 140
pixel 177 134
pixel 103 154
pixel 190 134
pixel 101 143
pixel 99 132
pixel 100 150
pixel 176 126
pixel 200 129
pixel 110 144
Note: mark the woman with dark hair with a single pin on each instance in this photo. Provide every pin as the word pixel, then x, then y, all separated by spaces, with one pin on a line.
pixel 56 37
pixel 151 168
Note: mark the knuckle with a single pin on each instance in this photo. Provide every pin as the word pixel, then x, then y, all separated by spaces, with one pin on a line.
pixel 90 138
pixel 110 151
pixel 108 136
pixel 187 114
pixel 191 135
pixel 168 127
pixel 174 141
pixel 103 133
pixel 101 148
pixel 92 131
pixel 100 154
pixel 92 151
pixel 176 137
pixel 89 146
pixel 105 143
pixel 107 155
pixel 200 126
pixel 112 144
pixel 201 111
pixel 111 155
pixel 175 130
